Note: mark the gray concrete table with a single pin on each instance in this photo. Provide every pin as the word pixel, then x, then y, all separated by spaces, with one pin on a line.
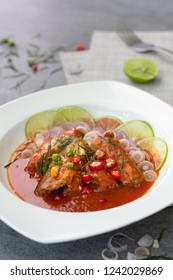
pixel 65 23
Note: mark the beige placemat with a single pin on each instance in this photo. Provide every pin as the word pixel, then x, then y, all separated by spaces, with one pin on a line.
pixel 107 53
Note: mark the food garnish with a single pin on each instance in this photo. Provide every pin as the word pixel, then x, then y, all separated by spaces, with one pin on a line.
pixel 119 244
pixel 69 155
pixel 141 70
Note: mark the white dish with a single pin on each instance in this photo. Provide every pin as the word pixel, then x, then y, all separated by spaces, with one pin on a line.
pixel 103 97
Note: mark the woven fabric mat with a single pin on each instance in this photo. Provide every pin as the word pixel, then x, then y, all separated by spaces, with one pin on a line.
pixel 105 58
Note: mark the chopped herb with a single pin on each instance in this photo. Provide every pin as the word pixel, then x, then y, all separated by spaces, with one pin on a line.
pixel 161 234
pixel 32 61
pixel 44 163
pixel 19 83
pixel 7 165
pixel 42 86
pixel 64 142
pixel 88 162
pixel 107 140
pixel 15 76
pixel 122 163
pixel 11 44
pixel 88 152
pixel 4 41
pixel 55 70
pixel 70 165
pixel 161 257
pixel 44 169
pixel 69 152
pixel 55 157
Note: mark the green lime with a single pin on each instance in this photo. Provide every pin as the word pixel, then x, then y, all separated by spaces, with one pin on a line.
pixel 137 129
pixel 75 114
pixel 158 149
pixel 108 122
pixel 141 70
pixel 42 120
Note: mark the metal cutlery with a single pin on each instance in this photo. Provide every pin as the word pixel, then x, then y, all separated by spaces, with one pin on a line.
pixel 136 44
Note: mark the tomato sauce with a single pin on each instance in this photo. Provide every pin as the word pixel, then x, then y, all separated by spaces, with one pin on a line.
pixel 23 186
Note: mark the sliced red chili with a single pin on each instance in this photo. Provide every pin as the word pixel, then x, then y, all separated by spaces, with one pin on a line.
pixel 86 178
pixel 35 67
pixel 80 47
pixel 100 154
pixel 57 198
pixel 75 159
pixel 96 166
pixel 103 200
pixel 110 162
pixel 116 175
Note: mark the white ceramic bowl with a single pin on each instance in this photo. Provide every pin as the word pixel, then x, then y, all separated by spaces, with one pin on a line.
pixel 99 98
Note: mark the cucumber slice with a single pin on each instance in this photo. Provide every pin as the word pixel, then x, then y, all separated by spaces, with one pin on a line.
pixel 108 122
pixel 76 113
pixel 137 129
pixel 158 149
pixel 42 121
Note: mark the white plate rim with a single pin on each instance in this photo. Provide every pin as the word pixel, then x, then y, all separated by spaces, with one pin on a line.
pixel 48 226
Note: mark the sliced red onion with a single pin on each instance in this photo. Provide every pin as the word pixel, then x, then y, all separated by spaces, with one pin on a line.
pixel 150 175
pixel 146 240
pixel 124 143
pixel 32 147
pixel 142 253
pixel 27 153
pixel 147 157
pixel 75 70
pixel 39 141
pixel 99 129
pixel 131 150
pixel 119 134
pixel 67 125
pixel 109 255
pixel 145 165
pixel 118 248
pixel 55 131
pixel 132 143
pixel 110 133
pixel 90 136
pixel 83 125
pixel 131 256
pixel 138 156
pixel 43 133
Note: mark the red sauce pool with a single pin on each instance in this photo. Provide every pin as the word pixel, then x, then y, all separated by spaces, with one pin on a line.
pixel 24 188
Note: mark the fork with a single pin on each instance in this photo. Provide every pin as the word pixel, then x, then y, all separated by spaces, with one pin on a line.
pixel 129 37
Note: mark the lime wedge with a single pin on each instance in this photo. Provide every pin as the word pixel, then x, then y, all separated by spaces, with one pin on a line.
pixel 141 70
pixel 137 129
pixel 76 113
pixel 42 120
pixel 108 122
pixel 158 149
